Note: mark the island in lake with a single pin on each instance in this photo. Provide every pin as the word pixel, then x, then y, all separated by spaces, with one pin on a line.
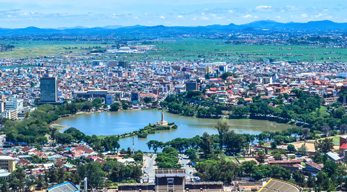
pixel 151 128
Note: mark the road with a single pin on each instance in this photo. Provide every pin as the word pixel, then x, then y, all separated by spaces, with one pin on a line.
pixel 184 160
pixel 149 168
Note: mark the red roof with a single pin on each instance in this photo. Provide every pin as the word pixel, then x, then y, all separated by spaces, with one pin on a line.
pixel 315 165
pixel 285 162
pixel 343 146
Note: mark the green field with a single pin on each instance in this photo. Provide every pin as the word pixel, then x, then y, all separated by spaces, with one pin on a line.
pixel 217 50
pixel 32 49
pixel 207 50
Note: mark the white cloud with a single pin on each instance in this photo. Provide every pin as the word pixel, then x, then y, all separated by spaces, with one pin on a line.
pixel 291 7
pixel 205 18
pixel 162 17
pixel 180 16
pixel 319 15
pixel 304 15
pixel 250 17
pixel 263 7
pixel 230 11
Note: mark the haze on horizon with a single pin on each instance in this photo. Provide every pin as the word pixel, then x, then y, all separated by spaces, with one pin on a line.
pixel 87 13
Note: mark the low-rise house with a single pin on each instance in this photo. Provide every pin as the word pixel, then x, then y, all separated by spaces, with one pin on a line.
pixel 312 168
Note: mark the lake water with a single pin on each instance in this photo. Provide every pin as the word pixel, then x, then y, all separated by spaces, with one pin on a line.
pixel 114 123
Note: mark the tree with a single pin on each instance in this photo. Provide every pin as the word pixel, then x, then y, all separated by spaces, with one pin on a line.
pixel 273 145
pixel 97 102
pixel 147 99
pixel 39 182
pixel 75 133
pixel 291 148
pixel 247 168
pixel 168 158
pixel 325 145
pixel 114 107
pixel 234 142
pixel 138 156
pixel 261 157
pixel 93 172
pixel 330 168
pixel 299 178
pixel 110 143
pixel 191 154
pixel 155 145
pixel 216 170
pixel 227 74
pixel 4 186
pixel 280 173
pixel 302 150
pixel 64 138
pixel 223 128
pixel 125 105
pixel 305 133
pixel 325 128
pixel 206 144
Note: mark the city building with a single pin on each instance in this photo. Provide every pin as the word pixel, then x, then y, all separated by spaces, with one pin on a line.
pixel 171 180
pixel 97 63
pixel 2 106
pixel 134 97
pixel 92 94
pixel 64 187
pixel 191 86
pixel 123 64
pixel 10 114
pixel 49 90
pixel 7 163
pixel 112 63
pixel 14 104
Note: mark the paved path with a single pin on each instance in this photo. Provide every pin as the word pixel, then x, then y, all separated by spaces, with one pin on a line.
pixel 184 160
pixel 149 167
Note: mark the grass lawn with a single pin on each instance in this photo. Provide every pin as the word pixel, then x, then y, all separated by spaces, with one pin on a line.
pixel 231 158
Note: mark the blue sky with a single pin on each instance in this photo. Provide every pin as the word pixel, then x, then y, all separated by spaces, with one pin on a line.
pixel 87 13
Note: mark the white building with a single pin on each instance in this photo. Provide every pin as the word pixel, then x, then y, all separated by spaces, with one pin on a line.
pixel 14 104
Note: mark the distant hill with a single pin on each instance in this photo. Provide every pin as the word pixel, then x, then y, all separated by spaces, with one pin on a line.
pixel 160 30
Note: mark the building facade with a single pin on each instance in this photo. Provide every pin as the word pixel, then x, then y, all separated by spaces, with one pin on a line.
pixel 7 163
pixel 49 90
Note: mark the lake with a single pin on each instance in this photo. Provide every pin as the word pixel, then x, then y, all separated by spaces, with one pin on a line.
pixel 116 123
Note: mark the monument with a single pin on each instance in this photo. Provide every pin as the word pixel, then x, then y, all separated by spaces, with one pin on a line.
pixel 162 122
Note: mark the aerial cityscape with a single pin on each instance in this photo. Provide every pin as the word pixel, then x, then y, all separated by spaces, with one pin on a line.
pixel 204 96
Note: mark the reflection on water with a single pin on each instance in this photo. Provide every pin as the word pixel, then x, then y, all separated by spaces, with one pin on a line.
pixel 128 121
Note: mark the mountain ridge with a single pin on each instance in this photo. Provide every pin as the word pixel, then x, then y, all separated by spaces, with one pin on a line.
pixel 269 25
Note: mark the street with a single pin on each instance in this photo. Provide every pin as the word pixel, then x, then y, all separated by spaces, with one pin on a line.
pixel 184 160
pixel 149 168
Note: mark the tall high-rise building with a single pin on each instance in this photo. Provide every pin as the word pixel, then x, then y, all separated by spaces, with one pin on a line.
pixel 123 64
pixel 191 86
pixel 49 89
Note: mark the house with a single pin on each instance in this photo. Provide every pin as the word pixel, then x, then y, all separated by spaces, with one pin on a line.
pixel 334 156
pixel 127 161
pixel 312 168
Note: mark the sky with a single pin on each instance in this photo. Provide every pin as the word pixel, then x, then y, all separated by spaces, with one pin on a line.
pixel 99 13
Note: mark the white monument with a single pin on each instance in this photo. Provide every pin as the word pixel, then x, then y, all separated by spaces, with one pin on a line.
pixel 162 122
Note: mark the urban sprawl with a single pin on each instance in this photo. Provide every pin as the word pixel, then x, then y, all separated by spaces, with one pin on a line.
pixel 37 154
